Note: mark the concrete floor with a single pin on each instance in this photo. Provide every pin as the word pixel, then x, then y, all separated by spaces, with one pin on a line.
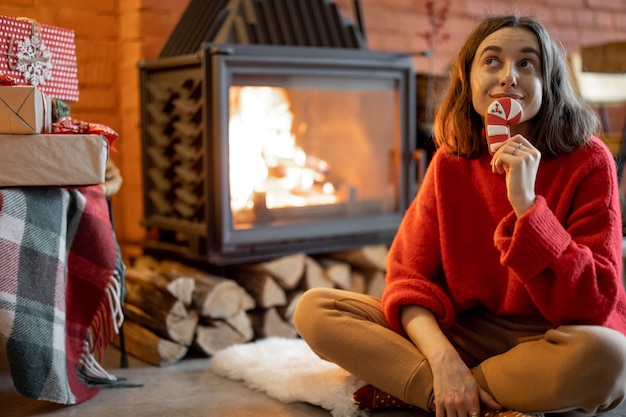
pixel 185 389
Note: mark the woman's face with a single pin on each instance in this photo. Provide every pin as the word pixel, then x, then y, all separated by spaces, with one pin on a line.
pixel 508 64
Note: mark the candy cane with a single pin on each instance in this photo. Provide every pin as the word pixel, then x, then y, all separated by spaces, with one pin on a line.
pixel 501 113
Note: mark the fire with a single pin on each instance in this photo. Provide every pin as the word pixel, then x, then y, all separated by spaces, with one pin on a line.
pixel 264 157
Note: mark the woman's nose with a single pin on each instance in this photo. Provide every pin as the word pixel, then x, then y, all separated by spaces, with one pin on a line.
pixel 508 77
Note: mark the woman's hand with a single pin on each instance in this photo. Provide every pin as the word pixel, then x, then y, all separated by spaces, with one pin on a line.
pixel 518 159
pixel 456 392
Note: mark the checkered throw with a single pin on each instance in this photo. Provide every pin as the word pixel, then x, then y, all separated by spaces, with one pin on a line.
pixel 59 289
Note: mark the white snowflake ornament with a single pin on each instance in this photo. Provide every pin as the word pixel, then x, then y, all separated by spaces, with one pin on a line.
pixel 33 60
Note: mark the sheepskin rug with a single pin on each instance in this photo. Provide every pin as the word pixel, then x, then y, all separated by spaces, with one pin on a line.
pixel 289 371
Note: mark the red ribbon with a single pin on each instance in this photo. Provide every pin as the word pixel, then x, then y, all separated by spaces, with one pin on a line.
pixel 6 80
pixel 69 125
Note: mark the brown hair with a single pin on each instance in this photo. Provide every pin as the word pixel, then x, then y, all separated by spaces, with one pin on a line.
pixel 563 123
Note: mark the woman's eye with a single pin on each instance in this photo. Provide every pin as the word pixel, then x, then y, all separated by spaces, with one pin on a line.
pixel 490 62
pixel 527 64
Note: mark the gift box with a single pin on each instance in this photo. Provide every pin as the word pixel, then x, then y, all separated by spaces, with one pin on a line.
pixel 52 160
pixel 40 55
pixel 23 110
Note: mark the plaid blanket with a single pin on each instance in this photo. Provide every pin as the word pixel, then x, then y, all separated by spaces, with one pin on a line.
pixel 60 287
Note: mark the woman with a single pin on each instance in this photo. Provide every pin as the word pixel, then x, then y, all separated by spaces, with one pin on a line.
pixel 504 286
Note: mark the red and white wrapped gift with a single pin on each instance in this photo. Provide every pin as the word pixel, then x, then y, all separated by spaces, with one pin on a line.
pixel 40 55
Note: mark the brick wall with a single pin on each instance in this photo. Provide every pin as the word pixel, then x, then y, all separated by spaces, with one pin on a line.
pixel 113 35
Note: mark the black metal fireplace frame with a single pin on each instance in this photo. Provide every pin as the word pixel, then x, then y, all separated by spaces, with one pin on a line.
pixel 215 240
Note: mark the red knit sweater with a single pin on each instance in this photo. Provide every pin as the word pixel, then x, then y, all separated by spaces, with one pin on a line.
pixel 460 244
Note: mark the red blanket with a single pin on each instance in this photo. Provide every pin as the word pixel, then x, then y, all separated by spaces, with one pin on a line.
pixel 60 280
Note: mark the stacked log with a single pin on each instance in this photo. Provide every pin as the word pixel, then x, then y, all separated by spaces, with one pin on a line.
pixel 172 309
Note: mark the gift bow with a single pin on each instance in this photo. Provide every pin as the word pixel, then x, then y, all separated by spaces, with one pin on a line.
pixel 69 125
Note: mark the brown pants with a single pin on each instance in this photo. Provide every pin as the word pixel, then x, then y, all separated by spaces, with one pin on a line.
pixel 526 366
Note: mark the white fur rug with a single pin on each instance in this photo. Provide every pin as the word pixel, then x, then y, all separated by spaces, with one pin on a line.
pixel 289 371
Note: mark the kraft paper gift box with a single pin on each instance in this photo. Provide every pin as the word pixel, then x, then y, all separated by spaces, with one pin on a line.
pixel 40 55
pixel 23 110
pixel 52 160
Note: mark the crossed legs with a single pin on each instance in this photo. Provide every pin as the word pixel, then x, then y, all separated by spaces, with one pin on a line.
pixel 525 366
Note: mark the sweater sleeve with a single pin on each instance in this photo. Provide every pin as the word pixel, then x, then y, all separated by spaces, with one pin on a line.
pixel 570 266
pixel 414 261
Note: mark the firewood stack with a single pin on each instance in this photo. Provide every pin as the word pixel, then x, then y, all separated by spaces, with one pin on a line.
pixel 172 309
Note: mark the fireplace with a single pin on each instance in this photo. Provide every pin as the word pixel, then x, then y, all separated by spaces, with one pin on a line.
pixel 252 151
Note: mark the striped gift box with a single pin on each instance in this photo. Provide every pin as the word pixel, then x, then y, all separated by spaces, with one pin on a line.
pixel 40 55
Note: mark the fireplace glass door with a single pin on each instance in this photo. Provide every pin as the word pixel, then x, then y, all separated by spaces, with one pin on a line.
pixel 305 149
pixel 313 147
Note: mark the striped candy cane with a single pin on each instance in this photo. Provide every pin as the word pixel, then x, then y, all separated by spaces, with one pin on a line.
pixel 500 114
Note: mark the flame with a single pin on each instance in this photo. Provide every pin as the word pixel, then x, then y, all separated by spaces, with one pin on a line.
pixel 264 156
